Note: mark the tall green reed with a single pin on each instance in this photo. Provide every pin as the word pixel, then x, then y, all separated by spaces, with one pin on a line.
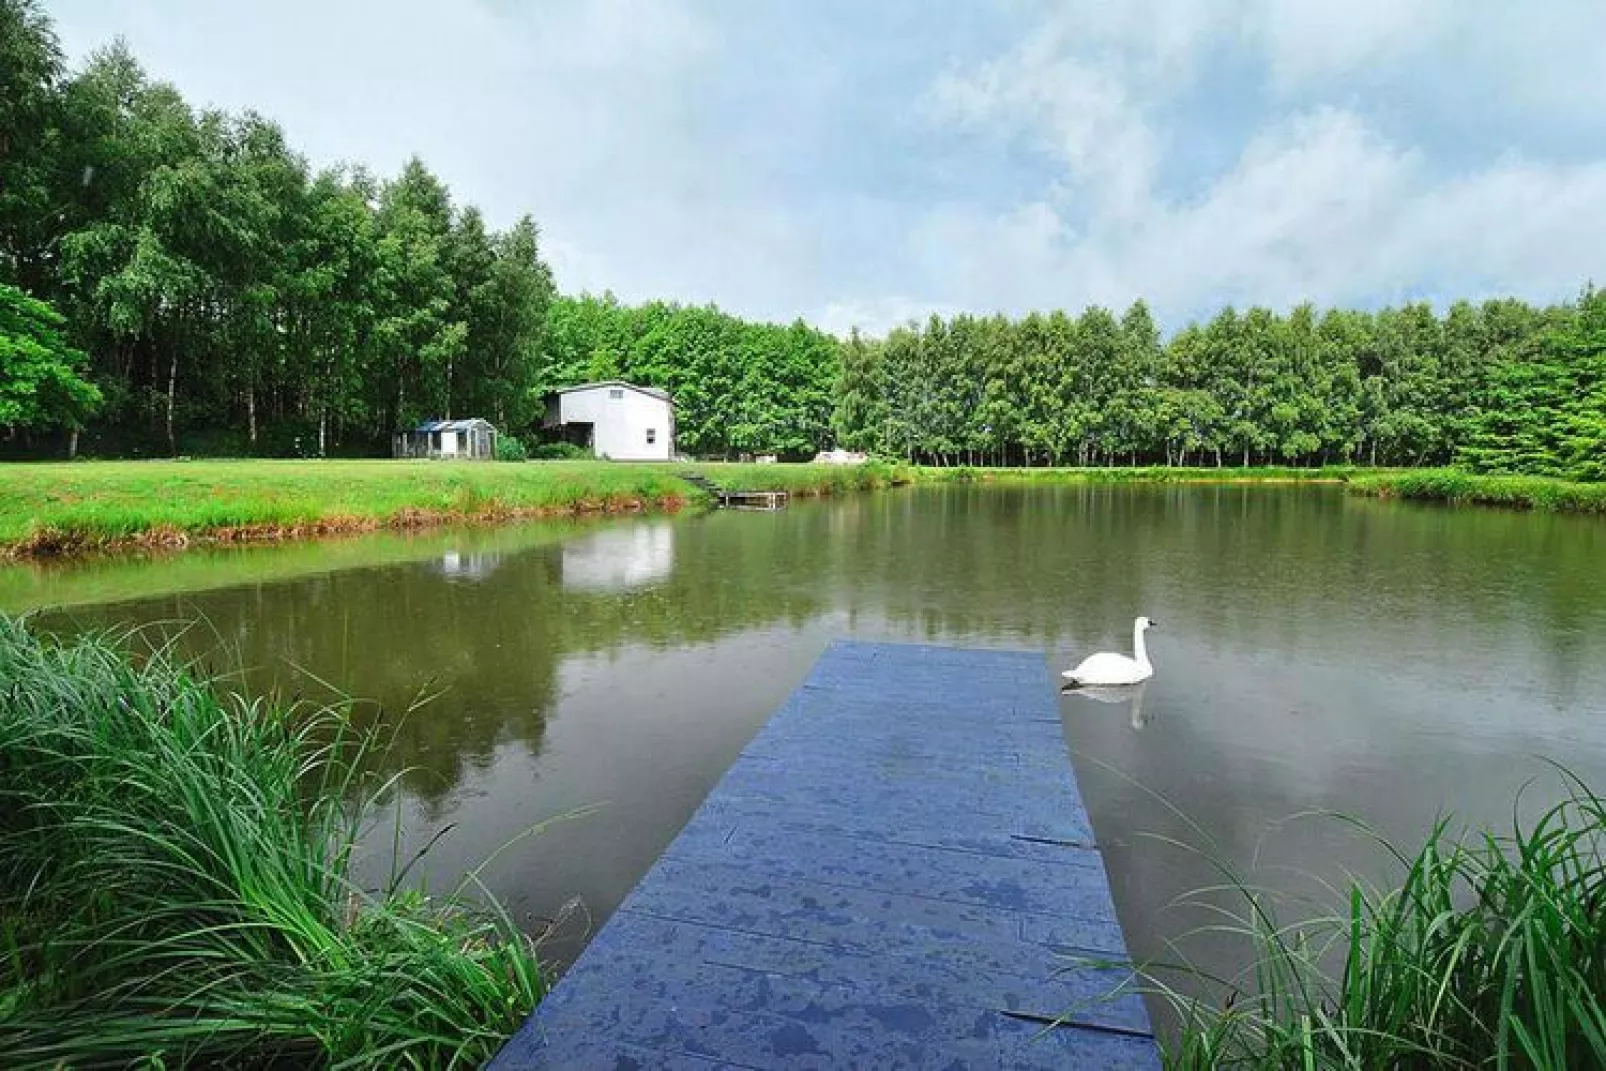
pixel 1489 953
pixel 175 884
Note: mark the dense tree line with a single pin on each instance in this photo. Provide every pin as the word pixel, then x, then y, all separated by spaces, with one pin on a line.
pixel 229 297
pixel 1500 386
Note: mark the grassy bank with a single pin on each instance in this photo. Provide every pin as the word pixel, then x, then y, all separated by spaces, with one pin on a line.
pixel 174 886
pixel 1140 474
pixel 809 481
pixel 62 508
pixel 55 509
pixel 1464 488
pixel 1490 953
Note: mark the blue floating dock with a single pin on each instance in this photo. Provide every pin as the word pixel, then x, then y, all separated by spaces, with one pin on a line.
pixel 897 872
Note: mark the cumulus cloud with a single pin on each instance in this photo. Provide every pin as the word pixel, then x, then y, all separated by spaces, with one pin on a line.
pixel 1318 203
pixel 1312 40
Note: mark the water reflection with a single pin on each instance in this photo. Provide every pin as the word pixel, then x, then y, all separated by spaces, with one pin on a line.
pixel 618 559
pixel 1127 695
pixel 468 565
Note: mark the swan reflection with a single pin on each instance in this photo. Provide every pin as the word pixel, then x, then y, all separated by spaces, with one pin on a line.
pixel 1116 693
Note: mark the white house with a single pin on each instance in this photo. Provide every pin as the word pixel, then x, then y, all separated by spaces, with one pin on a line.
pixel 614 420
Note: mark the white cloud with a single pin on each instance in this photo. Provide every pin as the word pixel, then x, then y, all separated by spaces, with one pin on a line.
pixel 1313 40
pixel 1080 112
pixel 1318 203
pixel 876 317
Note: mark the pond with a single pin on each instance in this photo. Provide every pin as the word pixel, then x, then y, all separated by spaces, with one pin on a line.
pixel 1316 652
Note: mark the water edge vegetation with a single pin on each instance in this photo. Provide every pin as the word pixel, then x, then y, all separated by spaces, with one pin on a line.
pixel 52 509
pixel 1459 487
pixel 1489 953
pixel 175 883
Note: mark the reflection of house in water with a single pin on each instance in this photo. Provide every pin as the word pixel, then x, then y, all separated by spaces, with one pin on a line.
pixel 619 558
pixel 470 564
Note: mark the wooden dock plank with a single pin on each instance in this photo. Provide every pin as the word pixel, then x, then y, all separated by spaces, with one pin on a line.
pixel 898 871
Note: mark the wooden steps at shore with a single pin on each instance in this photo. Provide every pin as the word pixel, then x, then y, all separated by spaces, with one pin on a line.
pixel 728 499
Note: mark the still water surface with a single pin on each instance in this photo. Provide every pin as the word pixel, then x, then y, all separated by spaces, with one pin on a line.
pixel 1315 652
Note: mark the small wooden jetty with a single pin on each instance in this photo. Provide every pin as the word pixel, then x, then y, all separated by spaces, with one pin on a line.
pixel 898 871
pixel 726 499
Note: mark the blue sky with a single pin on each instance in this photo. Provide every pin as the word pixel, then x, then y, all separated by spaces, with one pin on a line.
pixel 861 162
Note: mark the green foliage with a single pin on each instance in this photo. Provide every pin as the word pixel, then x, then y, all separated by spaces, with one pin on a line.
pixel 175 885
pixel 1544 409
pixel 41 381
pixel 561 452
pixel 30 75
pixel 1491 953
pixel 861 405
pixel 511 448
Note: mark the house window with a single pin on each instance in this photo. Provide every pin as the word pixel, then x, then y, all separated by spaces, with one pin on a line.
pixel 652 436
pixel 616 392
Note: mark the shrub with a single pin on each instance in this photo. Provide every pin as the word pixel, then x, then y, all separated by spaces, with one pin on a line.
pixel 560 452
pixel 511 448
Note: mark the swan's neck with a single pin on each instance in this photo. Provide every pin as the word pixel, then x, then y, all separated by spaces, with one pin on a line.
pixel 1140 653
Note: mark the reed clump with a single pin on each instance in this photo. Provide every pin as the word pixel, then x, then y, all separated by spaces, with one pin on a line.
pixel 1458 487
pixel 1490 953
pixel 175 885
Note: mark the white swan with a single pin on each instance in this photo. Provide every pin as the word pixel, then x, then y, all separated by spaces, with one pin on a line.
pixel 1107 667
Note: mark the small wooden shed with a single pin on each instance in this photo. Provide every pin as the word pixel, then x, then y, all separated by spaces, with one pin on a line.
pixel 473 439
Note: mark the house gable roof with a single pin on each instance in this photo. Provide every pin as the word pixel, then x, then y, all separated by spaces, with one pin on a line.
pixel 655 392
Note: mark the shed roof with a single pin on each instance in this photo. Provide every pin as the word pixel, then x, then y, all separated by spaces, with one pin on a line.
pixel 656 392
pixel 468 424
